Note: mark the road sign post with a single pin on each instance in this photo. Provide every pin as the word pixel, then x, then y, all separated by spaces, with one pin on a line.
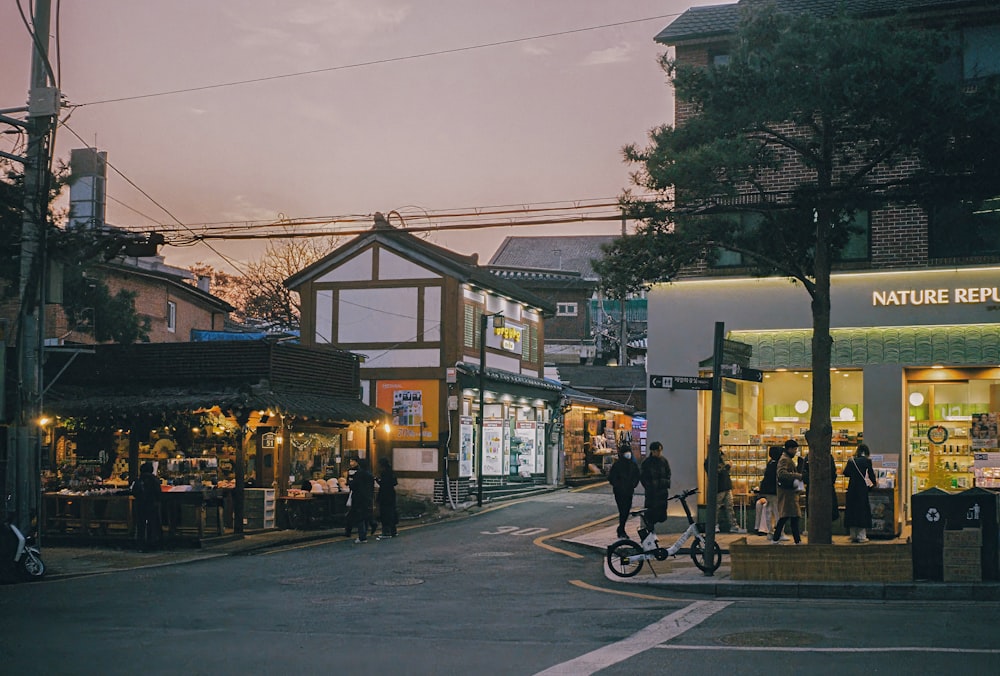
pixel 740 372
pixel 680 383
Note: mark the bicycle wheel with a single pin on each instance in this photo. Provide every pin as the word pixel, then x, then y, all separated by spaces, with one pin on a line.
pixel 625 558
pixel 697 555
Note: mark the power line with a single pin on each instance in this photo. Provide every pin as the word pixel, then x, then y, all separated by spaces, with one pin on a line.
pixel 376 62
pixel 150 198
pixel 468 212
pixel 427 228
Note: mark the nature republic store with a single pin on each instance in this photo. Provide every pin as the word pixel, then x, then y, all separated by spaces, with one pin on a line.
pixel 916 359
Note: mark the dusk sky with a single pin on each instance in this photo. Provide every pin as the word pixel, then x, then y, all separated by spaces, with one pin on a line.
pixel 368 129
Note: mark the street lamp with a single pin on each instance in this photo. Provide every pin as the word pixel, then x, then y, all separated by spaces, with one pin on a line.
pixel 484 322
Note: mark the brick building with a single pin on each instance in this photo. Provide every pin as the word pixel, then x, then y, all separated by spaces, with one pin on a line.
pixel 914 298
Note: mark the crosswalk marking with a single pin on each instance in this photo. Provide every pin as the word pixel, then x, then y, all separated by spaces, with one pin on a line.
pixel 669 627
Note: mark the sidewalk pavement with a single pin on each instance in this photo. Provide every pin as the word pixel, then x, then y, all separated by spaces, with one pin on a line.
pixel 680 575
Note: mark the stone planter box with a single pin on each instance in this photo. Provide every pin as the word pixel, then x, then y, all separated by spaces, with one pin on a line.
pixel 821 563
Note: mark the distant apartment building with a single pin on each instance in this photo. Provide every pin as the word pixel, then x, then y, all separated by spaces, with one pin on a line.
pixel 586 326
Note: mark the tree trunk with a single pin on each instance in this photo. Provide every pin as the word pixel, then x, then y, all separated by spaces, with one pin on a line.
pixel 820 502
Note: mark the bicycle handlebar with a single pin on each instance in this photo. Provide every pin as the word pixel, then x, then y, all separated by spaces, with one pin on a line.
pixel 689 492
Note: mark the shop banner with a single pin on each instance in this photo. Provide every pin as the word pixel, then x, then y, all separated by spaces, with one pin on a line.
pixel 540 449
pixel 525 430
pixel 467 447
pixel 984 430
pixel 493 455
pixel 414 407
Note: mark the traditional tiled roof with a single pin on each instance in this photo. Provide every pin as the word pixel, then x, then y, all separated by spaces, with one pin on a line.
pixel 156 378
pixel 572 253
pixel 603 377
pixel 717 20
pixel 543 278
pixel 578 397
pixel 114 403
pixel 500 376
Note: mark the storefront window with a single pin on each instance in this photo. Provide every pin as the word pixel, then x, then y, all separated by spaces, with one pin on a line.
pixel 314 455
pixel 952 430
pixel 755 416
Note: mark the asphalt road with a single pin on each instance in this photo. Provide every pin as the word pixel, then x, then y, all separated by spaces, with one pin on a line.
pixel 476 595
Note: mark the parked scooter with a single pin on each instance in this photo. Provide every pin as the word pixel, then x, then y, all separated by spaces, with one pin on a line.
pixel 21 552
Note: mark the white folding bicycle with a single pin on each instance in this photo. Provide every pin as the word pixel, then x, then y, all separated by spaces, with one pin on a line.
pixel 625 557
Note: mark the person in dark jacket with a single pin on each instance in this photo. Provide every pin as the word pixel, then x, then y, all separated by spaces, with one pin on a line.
pixel 654 474
pixel 387 512
pixel 724 496
pixel 857 509
pixel 350 518
pixel 624 477
pixel 835 513
pixel 767 494
pixel 362 486
pixel 147 494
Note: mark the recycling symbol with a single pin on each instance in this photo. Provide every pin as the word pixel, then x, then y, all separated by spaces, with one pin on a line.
pixel 933 515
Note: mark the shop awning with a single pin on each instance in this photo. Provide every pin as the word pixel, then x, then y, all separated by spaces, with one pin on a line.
pixel 104 403
pixel 578 397
pixel 969 345
pixel 513 383
pixel 155 379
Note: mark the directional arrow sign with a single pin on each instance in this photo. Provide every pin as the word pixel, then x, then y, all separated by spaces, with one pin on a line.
pixel 680 382
pixel 738 372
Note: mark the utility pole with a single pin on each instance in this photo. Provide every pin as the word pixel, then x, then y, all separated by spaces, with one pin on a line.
pixel 623 321
pixel 43 107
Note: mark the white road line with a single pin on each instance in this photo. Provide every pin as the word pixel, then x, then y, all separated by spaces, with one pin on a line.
pixel 669 627
pixel 789 649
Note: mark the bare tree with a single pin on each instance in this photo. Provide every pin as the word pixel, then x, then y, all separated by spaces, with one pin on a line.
pixel 229 288
pixel 267 300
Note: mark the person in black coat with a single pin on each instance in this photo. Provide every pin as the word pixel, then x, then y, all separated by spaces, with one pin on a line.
pixel 857 510
pixel 654 474
pixel 835 507
pixel 387 511
pixel 147 494
pixel 362 497
pixel 624 477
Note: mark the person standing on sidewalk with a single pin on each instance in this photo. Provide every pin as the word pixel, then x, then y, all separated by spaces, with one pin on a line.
pixel 767 494
pixel 857 509
pixel 624 477
pixel 362 497
pixel 788 496
pixel 387 512
pixel 724 497
pixel 147 494
pixel 654 474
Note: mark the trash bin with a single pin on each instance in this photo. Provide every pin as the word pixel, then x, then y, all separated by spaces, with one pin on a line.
pixel 980 509
pixel 930 516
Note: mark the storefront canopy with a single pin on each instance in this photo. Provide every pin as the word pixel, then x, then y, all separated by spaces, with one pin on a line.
pixel 104 403
pixel 118 382
pixel 513 383
pixel 578 397
pixel 968 345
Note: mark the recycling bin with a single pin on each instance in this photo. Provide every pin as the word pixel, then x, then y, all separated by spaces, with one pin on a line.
pixel 980 509
pixel 930 516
